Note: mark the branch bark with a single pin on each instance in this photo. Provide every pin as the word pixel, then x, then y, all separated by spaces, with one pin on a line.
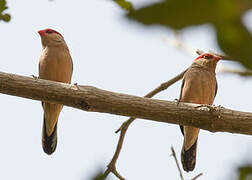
pixel 92 99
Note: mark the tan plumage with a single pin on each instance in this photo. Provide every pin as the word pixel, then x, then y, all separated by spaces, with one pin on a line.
pixel 55 64
pixel 199 86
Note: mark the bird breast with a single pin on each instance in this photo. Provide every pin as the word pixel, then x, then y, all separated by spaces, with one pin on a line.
pixel 199 86
pixel 56 65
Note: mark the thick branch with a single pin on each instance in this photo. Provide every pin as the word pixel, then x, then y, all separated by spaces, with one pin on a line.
pixel 89 98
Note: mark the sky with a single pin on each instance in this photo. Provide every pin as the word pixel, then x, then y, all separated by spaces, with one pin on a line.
pixel 115 54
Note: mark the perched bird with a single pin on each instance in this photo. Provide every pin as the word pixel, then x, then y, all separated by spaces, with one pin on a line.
pixel 55 64
pixel 199 86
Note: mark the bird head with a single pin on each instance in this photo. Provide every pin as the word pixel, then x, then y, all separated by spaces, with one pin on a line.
pixel 50 37
pixel 207 60
pixel 209 57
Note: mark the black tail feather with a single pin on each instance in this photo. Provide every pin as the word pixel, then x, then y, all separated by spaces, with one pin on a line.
pixel 49 143
pixel 188 157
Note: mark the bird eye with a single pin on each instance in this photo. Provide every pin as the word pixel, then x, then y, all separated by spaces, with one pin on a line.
pixel 207 57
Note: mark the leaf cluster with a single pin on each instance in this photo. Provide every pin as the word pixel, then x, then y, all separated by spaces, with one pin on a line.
pixel 4 16
pixel 225 16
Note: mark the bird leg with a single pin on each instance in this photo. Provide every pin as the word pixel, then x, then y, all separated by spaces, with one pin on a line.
pixel 77 86
pixel 177 101
pixel 34 77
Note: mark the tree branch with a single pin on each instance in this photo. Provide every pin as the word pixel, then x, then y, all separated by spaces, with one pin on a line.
pixel 196 177
pixel 124 127
pixel 179 169
pixel 177 163
pixel 92 99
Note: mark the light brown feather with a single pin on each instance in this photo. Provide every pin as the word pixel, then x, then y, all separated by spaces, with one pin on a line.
pixel 55 64
pixel 199 87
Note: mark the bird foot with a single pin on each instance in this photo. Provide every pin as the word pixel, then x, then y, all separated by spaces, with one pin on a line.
pixel 209 107
pixel 77 86
pixel 177 101
pixel 34 77
pixel 220 107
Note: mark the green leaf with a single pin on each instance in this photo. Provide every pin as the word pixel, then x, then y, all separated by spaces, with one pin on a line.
pixel 5 17
pixel 244 172
pixel 124 5
pixel 3 5
pixel 236 41
pixel 225 15
pixel 176 14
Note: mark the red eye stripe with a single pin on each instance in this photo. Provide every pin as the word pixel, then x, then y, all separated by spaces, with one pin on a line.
pixel 205 56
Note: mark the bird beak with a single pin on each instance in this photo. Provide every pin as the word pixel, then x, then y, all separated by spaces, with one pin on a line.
pixel 41 32
pixel 217 58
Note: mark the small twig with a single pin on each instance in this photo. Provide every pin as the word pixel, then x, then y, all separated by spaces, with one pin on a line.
pixel 179 169
pixel 196 177
pixel 176 42
pixel 244 72
pixel 112 165
pixel 177 163
pixel 160 88
pixel 124 127
pixel 225 57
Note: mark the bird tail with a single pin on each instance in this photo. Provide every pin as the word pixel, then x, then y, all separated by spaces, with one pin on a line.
pixel 188 157
pixel 49 143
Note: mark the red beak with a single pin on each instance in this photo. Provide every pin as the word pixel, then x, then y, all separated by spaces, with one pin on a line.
pixel 217 58
pixel 41 32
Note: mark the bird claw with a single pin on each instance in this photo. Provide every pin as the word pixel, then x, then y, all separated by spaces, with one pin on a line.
pixel 34 77
pixel 77 86
pixel 209 107
pixel 220 107
pixel 177 101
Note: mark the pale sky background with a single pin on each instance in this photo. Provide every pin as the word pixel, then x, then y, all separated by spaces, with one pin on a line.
pixel 110 53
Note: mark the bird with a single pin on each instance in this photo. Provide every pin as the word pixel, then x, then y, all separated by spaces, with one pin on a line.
pixel 55 64
pixel 199 86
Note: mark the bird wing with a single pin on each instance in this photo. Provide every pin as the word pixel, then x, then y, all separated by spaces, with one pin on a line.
pixel 216 89
pixel 181 91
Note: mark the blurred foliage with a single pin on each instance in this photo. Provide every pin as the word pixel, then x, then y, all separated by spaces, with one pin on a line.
pixel 225 15
pixel 124 4
pixel 5 17
pixel 245 172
